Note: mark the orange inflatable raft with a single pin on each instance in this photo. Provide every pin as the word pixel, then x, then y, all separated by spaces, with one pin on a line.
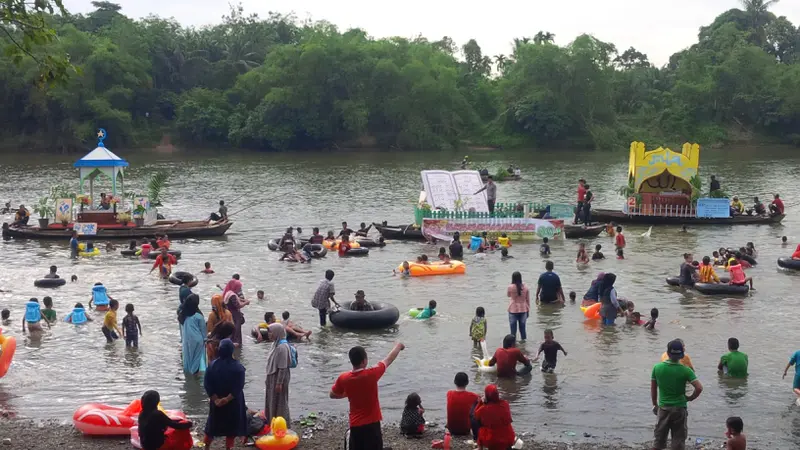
pixel 9 346
pixel 95 419
pixel 426 270
pixel 592 312
pixel 335 244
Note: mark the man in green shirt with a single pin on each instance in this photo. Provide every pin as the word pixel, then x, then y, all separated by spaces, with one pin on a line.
pixel 668 394
pixel 734 360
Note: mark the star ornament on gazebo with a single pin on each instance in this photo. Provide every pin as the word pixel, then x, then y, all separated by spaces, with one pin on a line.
pixel 101 136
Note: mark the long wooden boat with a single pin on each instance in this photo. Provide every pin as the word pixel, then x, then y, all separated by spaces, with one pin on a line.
pixel 579 231
pixel 608 215
pixel 176 229
pixel 400 232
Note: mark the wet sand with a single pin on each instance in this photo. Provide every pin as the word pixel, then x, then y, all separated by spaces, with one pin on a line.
pixel 327 435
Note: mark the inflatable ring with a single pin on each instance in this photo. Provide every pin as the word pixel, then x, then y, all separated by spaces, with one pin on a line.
pixel 592 312
pixel 383 315
pixel 49 282
pixel 9 346
pixel 356 252
pixel 483 366
pixel 129 252
pixel 94 252
pixel 789 263
pixel 279 438
pixel 335 245
pixel 414 312
pixel 369 243
pixel 316 250
pixel 676 281
pixel 749 259
pixel 274 245
pixel 95 419
pixel 424 270
pixel 179 278
pixel 154 253
pixel 721 289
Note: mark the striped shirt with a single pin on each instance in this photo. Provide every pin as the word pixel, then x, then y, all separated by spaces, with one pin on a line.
pixel 707 274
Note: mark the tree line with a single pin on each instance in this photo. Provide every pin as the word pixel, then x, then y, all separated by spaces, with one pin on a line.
pixel 277 83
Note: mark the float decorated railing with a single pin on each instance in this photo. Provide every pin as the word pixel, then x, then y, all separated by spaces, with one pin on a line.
pixel 501 211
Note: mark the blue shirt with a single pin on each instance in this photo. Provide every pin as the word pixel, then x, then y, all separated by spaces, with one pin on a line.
pixel 73 243
pixel 795 361
pixel 550 283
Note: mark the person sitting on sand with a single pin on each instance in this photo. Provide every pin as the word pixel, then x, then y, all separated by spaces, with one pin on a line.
pixel 52 274
pixel 293 329
pixel 494 417
pixel 361 303
pixel 507 357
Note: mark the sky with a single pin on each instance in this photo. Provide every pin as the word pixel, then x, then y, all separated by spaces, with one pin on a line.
pixel 657 28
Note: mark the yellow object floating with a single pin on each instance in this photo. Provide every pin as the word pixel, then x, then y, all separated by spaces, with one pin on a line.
pixel 425 270
pixel 334 245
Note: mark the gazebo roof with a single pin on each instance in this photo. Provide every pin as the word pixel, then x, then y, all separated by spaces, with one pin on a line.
pixel 101 157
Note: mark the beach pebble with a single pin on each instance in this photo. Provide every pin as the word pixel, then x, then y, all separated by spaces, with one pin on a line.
pixel 7 441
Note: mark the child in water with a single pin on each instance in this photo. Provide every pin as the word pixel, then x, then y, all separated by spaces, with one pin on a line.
pixel 208 269
pixel 330 237
pixel 33 316
pixel 428 311
pixel 478 326
pixel 544 249
pixel 131 328
pixel 736 439
pixel 78 315
pixel 651 324
pixel 550 348
pixel 48 312
pixel 610 229
pixel 73 279
pixel 413 423
pixel 598 255
pixel 784 241
pixel 406 272
pixel 620 254
pixel 100 297
pixel 52 274
pixel 110 328
pixel 293 329
pixel 504 254
pixel 443 256
pixel 260 295
pixel 572 296
pixel 6 316
pixel 619 241
pixel 583 257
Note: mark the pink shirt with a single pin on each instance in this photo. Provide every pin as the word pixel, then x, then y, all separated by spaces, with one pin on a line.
pixel 519 303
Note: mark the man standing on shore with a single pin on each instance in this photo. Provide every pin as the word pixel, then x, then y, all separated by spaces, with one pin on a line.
pixel 581 195
pixel 360 388
pixel 668 394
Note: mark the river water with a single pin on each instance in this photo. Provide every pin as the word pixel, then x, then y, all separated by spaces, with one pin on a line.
pixel 602 387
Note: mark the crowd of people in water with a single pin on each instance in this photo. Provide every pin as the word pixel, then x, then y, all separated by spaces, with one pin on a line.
pixel 208 344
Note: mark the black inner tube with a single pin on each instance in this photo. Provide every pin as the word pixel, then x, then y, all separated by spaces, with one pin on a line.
pixel 721 288
pixel 789 263
pixel 273 245
pixel 129 252
pixel 384 315
pixel 154 254
pixel 357 252
pixel 316 250
pixel 50 282
pixel 179 278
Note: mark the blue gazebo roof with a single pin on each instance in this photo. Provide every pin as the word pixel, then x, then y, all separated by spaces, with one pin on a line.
pixel 101 157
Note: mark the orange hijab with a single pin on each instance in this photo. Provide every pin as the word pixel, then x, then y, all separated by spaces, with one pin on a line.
pixel 218 313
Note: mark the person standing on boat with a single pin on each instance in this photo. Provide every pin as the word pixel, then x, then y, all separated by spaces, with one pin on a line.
pixel 581 197
pixel 587 205
pixel 714 184
pixel 491 193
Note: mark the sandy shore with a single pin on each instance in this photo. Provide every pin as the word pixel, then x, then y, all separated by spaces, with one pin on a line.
pixel 325 434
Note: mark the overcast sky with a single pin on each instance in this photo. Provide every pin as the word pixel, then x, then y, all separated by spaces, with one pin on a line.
pixel 658 28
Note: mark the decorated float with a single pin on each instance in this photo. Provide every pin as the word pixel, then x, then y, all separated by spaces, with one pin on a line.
pixel 664 188
pixel 110 217
pixel 449 204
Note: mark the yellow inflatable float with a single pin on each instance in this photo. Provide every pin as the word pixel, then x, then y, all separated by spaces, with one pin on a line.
pixel 592 312
pixel 279 438
pixel 82 251
pixel 426 270
pixel 483 363
pixel 334 245
pixel 8 345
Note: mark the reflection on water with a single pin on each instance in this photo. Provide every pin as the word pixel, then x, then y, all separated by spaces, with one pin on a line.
pixel 604 381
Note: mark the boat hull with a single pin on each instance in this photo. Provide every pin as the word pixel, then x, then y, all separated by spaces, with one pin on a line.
pixel 579 231
pixel 608 215
pixel 400 232
pixel 175 229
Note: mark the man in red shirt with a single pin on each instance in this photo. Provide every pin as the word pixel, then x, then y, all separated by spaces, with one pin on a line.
pixel 581 196
pixel 506 359
pixel 776 207
pixel 164 262
pixel 345 245
pixel 459 404
pixel 360 388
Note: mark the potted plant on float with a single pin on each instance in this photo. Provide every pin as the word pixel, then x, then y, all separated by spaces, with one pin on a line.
pixel 45 211
pixel 113 201
pixel 124 219
pixel 138 215
pixel 83 200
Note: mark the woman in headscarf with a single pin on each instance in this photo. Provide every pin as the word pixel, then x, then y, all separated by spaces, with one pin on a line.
pixel 234 301
pixel 224 384
pixel 193 330
pixel 219 326
pixel 608 297
pixel 494 416
pixel 278 375
pixel 153 423
pixel 592 296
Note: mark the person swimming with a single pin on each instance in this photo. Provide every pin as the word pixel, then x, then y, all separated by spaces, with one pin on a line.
pixel 583 257
pixel 77 316
pixel 100 297
pixel 544 249
pixel 427 312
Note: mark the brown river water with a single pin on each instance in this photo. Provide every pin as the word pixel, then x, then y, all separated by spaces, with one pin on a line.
pixel 602 387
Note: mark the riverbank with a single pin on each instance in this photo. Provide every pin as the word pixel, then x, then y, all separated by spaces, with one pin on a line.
pixel 326 435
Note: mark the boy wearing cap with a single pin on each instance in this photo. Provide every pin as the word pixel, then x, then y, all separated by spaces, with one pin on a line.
pixel 668 394
pixel 361 304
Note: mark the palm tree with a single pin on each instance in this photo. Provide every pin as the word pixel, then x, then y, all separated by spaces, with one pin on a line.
pixel 757 10
pixel 501 62
pixel 544 37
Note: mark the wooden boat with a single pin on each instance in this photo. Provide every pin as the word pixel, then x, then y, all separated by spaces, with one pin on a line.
pixel 176 229
pixel 400 232
pixel 608 215
pixel 579 231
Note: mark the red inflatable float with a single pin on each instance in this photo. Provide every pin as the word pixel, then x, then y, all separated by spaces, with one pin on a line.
pixel 95 419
